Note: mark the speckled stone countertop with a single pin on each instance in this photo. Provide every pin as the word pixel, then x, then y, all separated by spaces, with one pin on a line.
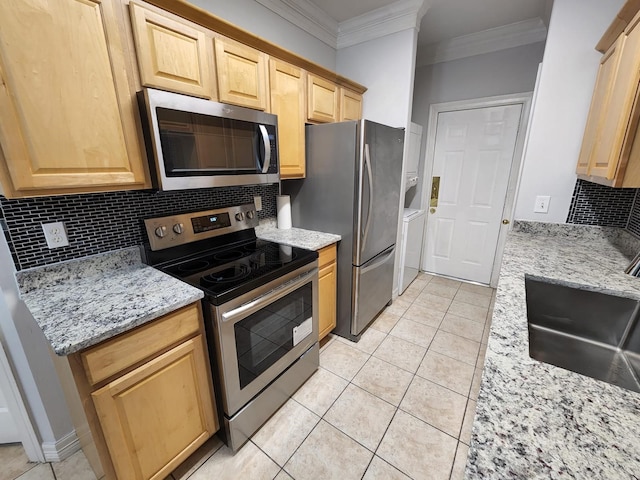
pixel 534 420
pixel 82 302
pixel 296 237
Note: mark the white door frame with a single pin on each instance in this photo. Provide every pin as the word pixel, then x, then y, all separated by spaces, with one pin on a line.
pixel 523 99
pixel 16 406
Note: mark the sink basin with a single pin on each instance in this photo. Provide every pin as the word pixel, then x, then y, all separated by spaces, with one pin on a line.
pixel 591 333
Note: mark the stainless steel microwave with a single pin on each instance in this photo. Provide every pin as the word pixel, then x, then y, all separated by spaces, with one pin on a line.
pixel 197 143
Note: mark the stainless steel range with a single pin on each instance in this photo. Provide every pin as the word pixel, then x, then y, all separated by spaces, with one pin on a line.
pixel 260 306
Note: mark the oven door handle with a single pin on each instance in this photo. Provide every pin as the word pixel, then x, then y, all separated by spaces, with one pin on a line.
pixel 270 297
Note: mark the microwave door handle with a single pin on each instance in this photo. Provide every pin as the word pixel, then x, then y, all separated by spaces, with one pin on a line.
pixel 267 148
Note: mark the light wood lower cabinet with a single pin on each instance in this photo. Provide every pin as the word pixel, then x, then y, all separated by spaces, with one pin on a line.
pixel 288 103
pixel 68 116
pixel 172 55
pixel 327 284
pixel 148 408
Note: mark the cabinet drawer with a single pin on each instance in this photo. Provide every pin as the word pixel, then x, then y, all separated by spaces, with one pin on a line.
pixel 326 255
pixel 112 356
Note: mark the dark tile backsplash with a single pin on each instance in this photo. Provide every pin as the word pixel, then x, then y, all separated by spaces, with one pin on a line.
pixel 594 204
pixel 101 222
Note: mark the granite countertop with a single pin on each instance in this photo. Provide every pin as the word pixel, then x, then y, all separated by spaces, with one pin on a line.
pixel 535 420
pixel 82 302
pixel 295 237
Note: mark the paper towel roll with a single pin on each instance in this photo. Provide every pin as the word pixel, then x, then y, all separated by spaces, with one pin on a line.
pixel 283 202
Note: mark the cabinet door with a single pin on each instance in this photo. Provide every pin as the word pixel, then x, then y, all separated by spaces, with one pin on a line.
pixel 68 117
pixel 157 415
pixel 322 100
pixel 172 55
pixel 350 105
pixel 288 103
pixel 327 283
pixel 242 74
pixel 597 111
pixel 619 123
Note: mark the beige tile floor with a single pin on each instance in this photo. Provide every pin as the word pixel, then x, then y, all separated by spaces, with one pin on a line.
pixel 397 405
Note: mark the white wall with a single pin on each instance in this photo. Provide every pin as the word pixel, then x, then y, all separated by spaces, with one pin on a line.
pixel 28 352
pixel 566 84
pixel 498 73
pixel 259 20
pixel 386 67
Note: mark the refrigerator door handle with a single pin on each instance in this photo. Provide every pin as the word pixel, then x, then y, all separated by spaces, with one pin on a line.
pixel 367 163
pixel 380 261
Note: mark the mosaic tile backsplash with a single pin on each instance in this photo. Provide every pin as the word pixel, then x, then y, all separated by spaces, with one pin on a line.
pixel 101 222
pixel 594 204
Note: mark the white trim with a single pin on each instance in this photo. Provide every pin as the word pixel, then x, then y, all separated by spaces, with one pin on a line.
pixel 487 41
pixel 61 449
pixel 392 18
pixel 308 16
pixel 9 387
pixel 525 99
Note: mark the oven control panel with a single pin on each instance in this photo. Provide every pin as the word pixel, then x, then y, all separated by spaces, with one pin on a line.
pixel 174 230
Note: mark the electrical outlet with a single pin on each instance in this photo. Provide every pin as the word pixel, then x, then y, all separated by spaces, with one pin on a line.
pixel 55 234
pixel 258 203
pixel 542 204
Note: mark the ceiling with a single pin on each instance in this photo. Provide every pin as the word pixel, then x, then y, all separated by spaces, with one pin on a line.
pixel 448 19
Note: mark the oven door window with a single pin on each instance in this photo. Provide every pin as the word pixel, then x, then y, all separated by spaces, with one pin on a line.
pixel 195 144
pixel 267 335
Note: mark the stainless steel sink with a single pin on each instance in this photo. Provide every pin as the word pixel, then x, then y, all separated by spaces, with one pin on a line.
pixel 591 333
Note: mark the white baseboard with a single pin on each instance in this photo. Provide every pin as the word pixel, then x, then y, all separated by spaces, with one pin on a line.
pixel 61 449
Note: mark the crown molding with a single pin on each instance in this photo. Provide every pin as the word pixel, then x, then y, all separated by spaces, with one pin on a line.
pixel 393 18
pixel 386 20
pixel 491 40
pixel 308 17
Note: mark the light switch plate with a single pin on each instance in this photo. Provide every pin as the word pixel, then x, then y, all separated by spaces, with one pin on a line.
pixel 258 203
pixel 542 204
pixel 55 234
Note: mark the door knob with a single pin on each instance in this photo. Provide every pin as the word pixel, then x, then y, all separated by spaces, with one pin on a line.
pixel 505 222
pixel 432 210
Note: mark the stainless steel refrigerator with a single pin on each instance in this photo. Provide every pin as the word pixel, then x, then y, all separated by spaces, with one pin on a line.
pixel 352 188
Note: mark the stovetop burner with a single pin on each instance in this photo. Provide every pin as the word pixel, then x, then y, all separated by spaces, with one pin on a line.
pixel 230 271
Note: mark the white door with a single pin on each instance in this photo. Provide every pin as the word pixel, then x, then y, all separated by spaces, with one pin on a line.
pixel 474 150
pixel 8 429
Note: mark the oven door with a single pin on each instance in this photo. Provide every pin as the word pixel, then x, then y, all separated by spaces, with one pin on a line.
pixel 260 334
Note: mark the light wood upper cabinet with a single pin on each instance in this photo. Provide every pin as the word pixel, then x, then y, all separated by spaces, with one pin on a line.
pixel 322 100
pixel 154 416
pixel 327 284
pixel 350 105
pixel 172 55
pixel 242 74
pixel 612 124
pixel 68 117
pixel 288 103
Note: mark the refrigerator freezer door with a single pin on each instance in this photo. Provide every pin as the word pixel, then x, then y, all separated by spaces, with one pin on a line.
pixel 378 182
pixel 373 283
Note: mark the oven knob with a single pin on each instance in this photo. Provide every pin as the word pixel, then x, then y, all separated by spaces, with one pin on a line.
pixel 178 228
pixel 161 231
pixel 250 214
pixel 240 216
